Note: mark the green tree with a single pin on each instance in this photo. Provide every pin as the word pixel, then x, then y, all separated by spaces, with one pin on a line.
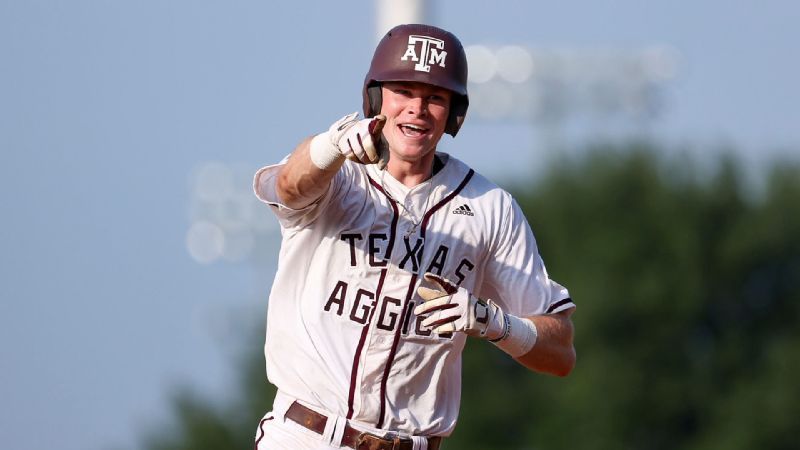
pixel 686 328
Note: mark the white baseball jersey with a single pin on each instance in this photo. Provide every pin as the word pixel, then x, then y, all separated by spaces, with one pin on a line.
pixel 341 333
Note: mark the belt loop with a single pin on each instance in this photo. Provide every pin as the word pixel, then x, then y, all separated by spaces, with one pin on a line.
pixel 420 443
pixel 280 405
pixel 336 433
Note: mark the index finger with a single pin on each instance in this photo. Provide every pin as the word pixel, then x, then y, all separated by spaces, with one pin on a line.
pixel 376 126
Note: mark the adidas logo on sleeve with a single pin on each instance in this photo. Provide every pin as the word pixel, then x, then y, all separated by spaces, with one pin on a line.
pixel 464 209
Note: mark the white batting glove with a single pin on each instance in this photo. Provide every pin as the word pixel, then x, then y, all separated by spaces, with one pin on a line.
pixel 356 140
pixel 453 308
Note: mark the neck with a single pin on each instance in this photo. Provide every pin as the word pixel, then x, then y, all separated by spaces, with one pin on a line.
pixel 411 173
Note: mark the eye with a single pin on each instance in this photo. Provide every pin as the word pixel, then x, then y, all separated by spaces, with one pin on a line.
pixel 437 99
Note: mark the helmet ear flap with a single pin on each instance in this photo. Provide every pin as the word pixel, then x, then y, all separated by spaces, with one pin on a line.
pixel 375 100
pixel 458 111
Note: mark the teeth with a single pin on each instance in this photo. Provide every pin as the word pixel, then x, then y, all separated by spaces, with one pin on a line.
pixel 414 127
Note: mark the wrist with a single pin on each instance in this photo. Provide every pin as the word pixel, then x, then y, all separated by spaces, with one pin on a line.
pixel 323 153
pixel 519 336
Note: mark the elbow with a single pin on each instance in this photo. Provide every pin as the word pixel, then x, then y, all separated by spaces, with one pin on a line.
pixel 570 363
pixel 559 363
pixel 567 364
pixel 286 190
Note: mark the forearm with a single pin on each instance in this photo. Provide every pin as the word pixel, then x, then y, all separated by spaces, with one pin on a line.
pixel 542 343
pixel 553 352
pixel 313 164
pixel 300 182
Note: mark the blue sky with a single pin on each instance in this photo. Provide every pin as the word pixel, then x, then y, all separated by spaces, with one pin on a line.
pixel 106 108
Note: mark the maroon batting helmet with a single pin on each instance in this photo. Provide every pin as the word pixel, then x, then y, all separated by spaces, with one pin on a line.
pixel 421 53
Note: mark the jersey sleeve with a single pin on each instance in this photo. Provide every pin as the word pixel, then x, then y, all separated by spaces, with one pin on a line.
pixel 516 277
pixel 264 185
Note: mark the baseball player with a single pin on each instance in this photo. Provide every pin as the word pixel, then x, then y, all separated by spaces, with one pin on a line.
pixel 392 254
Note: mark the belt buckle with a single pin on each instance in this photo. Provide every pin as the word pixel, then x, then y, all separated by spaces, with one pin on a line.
pixel 369 441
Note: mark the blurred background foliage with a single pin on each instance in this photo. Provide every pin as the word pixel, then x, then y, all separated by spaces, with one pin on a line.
pixel 686 280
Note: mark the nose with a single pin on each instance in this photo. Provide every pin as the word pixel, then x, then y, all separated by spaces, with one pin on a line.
pixel 417 105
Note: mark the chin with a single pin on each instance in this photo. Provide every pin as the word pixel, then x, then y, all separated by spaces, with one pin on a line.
pixel 412 153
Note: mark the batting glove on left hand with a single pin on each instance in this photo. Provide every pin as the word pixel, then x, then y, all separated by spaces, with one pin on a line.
pixel 453 308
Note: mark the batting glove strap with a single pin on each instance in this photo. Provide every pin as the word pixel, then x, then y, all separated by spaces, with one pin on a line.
pixel 495 327
pixel 519 336
pixel 506 330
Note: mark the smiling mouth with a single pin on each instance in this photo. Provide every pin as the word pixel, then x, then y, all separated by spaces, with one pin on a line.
pixel 413 131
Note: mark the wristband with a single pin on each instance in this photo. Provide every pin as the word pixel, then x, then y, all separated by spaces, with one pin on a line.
pixel 519 336
pixel 323 153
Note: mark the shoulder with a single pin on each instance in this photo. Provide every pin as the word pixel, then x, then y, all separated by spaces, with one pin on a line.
pixel 477 186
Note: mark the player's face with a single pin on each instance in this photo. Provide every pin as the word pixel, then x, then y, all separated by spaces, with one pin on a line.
pixel 416 116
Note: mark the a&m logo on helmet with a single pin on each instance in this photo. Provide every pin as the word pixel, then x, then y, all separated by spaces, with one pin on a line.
pixel 431 51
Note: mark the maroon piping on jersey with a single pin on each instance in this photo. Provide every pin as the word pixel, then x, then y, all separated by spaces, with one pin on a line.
pixel 444 202
pixel 393 351
pixel 558 304
pixel 410 292
pixel 260 432
pixel 365 329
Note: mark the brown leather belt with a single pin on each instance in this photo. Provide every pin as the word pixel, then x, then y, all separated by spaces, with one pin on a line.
pixel 353 438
